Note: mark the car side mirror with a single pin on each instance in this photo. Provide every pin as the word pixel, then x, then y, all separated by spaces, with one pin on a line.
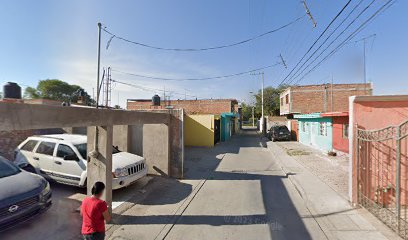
pixel 72 157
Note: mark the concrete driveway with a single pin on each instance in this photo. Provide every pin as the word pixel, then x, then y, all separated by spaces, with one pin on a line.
pixel 62 220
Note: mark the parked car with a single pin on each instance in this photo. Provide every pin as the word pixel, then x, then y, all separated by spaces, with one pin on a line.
pixel 22 194
pixel 279 133
pixel 63 158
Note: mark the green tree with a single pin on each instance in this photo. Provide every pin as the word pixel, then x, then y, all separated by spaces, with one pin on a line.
pixel 271 101
pixel 246 111
pixel 58 90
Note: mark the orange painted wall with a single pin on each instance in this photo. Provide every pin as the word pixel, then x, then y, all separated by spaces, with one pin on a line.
pixel 340 143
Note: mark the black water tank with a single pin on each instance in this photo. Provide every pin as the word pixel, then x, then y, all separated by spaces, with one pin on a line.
pixel 156 100
pixel 11 90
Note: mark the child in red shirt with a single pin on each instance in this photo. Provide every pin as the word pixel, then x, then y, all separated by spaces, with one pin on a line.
pixel 94 213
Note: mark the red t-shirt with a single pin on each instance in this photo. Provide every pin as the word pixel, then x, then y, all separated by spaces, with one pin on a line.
pixel 92 218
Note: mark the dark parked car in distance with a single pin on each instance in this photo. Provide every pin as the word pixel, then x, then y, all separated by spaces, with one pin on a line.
pixel 23 195
pixel 279 133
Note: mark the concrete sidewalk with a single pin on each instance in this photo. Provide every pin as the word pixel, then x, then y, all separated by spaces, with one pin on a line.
pixel 332 211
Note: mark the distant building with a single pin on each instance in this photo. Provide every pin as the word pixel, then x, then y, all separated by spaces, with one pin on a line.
pixel 43 101
pixel 325 131
pixel 320 98
pixel 205 106
pixel 206 121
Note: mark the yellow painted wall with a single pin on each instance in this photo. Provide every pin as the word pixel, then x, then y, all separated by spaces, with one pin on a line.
pixel 199 130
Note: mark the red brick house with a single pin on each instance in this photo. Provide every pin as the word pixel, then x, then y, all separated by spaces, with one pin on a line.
pixel 320 98
pixel 205 106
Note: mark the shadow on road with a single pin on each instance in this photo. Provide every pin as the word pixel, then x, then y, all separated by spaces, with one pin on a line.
pixel 281 215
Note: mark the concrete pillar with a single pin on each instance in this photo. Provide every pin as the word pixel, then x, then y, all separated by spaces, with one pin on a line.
pixel 121 137
pixel 100 168
pixel 156 149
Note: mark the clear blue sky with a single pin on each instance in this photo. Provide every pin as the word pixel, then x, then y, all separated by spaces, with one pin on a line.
pixel 57 39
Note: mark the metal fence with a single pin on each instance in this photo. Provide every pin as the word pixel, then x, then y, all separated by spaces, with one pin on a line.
pixel 382 174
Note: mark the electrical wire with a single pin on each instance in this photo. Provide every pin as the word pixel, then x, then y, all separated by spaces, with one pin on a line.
pixel 315 42
pixel 296 73
pixel 149 89
pixel 383 8
pixel 197 79
pixel 199 49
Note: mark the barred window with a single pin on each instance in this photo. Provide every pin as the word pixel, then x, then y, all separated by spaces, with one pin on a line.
pixel 323 129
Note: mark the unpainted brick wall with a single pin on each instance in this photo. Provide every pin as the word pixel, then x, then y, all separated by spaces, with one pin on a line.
pixel 9 140
pixel 210 106
pixel 318 98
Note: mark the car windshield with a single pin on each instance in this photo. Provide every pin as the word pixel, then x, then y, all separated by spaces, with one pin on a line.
pixel 282 129
pixel 82 149
pixel 7 168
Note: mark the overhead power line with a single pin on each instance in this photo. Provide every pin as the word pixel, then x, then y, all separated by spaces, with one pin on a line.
pixel 113 36
pixel 315 42
pixel 196 79
pixel 296 73
pixel 383 8
pixel 300 71
pixel 149 89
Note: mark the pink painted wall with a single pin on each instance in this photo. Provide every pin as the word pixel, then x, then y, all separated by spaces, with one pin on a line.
pixel 371 115
pixel 340 143
pixel 375 115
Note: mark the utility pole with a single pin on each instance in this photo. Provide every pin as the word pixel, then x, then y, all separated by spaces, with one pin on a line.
pixel 99 64
pixel 309 13
pixel 253 116
pixel 262 100
pixel 107 89
pixel 262 121
pixel 95 152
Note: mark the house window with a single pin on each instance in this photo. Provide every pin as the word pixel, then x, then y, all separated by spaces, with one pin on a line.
pixel 345 130
pixel 281 100
pixel 323 129
pixel 287 98
pixel 303 126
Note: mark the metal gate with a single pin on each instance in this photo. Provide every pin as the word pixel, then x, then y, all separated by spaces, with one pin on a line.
pixel 382 174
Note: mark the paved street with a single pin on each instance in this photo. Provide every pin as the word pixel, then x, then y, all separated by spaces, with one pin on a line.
pixel 242 190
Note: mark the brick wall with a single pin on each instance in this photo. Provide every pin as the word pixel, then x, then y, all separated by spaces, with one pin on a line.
pixel 9 140
pixel 210 106
pixel 318 98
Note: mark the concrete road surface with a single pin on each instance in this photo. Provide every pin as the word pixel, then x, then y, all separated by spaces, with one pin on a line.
pixel 240 189
pixel 236 190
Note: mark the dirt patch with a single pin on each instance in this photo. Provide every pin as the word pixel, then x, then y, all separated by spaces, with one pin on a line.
pixel 297 152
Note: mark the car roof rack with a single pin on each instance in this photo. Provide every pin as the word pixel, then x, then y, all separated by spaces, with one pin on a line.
pixel 45 136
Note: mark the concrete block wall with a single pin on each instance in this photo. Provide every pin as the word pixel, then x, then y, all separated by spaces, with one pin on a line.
pixel 161 145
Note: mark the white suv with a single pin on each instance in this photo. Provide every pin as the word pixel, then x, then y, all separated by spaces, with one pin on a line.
pixel 63 158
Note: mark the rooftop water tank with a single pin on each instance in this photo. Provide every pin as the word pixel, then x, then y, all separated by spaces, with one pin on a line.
pixel 12 90
pixel 156 100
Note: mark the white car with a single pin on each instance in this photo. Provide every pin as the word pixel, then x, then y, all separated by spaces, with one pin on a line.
pixel 63 158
